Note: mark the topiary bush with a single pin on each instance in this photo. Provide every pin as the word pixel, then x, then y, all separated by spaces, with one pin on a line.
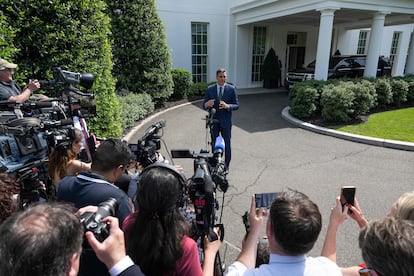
pixel 182 82
pixel 337 103
pixel 303 100
pixel 384 91
pixel 134 107
pixel 399 91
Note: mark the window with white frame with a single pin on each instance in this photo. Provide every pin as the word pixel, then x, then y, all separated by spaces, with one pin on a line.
pixel 199 54
pixel 362 42
pixel 258 52
pixel 394 46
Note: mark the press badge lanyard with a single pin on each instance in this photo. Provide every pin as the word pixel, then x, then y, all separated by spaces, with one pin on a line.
pixel 96 180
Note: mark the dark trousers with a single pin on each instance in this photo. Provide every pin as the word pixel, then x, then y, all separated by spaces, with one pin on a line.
pixel 216 130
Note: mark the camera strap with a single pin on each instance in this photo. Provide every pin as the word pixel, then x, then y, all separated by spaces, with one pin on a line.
pixel 96 180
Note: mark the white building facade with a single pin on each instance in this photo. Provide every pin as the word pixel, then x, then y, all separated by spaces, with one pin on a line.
pixel 204 35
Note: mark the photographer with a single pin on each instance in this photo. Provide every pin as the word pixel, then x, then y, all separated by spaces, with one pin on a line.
pixel 157 235
pixel 92 188
pixel 28 237
pixel 9 89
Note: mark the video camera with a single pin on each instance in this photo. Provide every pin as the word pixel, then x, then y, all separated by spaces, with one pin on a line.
pixel 70 78
pixel 209 174
pixel 145 151
pixel 93 221
pixel 78 104
pixel 32 179
pixel 28 131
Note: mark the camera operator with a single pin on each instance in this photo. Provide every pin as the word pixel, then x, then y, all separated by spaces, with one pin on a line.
pixel 157 235
pixel 9 89
pixel 92 188
pixel 28 237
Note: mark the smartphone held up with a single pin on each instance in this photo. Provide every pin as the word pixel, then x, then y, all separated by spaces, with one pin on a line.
pixel 347 195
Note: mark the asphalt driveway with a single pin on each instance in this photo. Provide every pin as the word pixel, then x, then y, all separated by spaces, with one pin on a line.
pixel 270 154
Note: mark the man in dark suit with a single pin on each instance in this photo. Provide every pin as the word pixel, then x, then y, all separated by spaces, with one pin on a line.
pixel 221 99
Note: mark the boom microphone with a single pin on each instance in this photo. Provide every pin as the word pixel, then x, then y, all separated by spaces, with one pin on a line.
pixel 154 128
pixel 33 105
pixel 63 122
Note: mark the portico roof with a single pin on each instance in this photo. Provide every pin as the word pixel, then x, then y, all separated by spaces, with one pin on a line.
pixel 350 14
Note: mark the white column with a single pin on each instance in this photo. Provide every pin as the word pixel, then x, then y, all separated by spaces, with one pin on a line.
pixel 374 46
pixel 410 60
pixel 324 44
pixel 401 57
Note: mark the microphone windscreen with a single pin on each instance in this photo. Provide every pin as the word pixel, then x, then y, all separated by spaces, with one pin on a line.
pixel 65 122
pixel 219 145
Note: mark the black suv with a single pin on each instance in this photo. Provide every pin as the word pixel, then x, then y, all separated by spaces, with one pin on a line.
pixel 339 67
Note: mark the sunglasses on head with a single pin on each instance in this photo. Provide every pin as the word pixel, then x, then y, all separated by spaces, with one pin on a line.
pixel 367 272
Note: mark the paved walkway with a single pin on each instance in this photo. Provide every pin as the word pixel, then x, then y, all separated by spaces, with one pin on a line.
pixel 271 154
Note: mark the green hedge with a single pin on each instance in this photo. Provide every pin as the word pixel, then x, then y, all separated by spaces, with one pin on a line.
pixel 345 100
pixel 134 107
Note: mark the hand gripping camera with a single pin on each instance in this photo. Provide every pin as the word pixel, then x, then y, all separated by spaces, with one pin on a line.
pixel 93 221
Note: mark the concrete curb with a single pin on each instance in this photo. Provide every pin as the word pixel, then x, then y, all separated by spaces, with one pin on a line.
pixel 128 136
pixel 347 136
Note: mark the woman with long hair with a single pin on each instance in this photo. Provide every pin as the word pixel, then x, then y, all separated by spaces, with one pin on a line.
pixel 157 235
pixel 62 159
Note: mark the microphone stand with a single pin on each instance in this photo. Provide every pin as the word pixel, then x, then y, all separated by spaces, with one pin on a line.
pixel 209 123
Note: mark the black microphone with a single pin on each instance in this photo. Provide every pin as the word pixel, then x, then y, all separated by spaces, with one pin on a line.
pixel 209 117
pixel 155 127
pixel 52 124
pixel 44 104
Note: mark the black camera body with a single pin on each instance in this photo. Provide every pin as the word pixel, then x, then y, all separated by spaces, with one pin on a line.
pixel 202 188
pixel 70 78
pixel 93 221
pixel 145 151
pixel 60 138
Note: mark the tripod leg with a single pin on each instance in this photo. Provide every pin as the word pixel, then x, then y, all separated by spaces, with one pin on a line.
pixel 218 266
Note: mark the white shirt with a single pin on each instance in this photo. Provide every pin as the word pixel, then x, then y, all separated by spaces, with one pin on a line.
pixel 289 265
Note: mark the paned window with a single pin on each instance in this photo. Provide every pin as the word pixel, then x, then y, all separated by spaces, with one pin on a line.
pixel 199 51
pixel 362 42
pixel 258 53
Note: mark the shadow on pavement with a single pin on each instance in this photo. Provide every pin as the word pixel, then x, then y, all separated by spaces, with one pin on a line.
pixel 262 109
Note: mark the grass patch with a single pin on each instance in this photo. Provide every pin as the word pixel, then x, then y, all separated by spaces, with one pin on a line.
pixel 394 125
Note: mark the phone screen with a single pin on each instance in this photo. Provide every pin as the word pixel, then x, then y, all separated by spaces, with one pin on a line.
pixel 348 195
pixel 264 199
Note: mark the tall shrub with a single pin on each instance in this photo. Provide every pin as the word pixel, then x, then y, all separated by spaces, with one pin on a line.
pixel 182 83
pixel 142 59
pixel 74 35
pixel 270 70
